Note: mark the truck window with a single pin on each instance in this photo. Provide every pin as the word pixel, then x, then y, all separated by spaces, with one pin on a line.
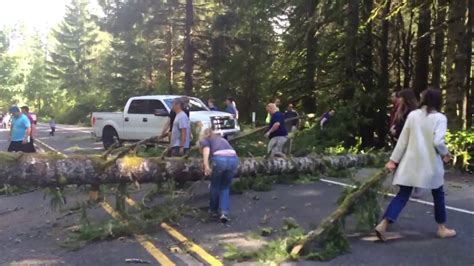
pixel 154 105
pixel 138 107
pixel 194 104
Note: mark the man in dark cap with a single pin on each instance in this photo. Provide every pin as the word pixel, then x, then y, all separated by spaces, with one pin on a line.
pixel 20 131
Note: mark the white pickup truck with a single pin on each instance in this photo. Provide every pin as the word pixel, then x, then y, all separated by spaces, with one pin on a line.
pixel 145 117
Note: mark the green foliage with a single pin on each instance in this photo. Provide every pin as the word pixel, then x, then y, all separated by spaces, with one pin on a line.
pixel 366 210
pixel 58 199
pixel 461 145
pixel 144 221
pixel 273 252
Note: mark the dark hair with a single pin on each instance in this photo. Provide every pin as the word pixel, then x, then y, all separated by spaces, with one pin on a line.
pixel 230 99
pixel 26 108
pixel 409 104
pixel 211 100
pixel 432 99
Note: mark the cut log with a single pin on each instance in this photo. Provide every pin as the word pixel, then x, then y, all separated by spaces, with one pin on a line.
pixel 335 218
pixel 40 170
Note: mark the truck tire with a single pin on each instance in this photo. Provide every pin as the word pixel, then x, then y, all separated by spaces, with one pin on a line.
pixel 109 137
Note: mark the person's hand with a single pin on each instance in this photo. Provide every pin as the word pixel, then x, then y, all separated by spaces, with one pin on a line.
pixel 207 170
pixel 181 151
pixel 391 166
pixel 267 134
pixel 25 141
pixel 447 158
pixel 393 131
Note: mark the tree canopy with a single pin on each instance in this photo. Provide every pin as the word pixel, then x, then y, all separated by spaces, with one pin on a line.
pixel 346 54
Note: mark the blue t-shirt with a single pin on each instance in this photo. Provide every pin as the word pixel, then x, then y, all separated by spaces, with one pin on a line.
pixel 232 110
pixel 19 126
pixel 281 131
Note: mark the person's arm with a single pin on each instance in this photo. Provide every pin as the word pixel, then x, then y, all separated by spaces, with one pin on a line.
pixel 166 129
pixel 28 126
pixel 323 120
pixel 439 136
pixel 27 135
pixel 182 141
pixel 205 160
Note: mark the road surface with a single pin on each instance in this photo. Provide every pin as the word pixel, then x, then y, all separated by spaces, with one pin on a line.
pixel 30 232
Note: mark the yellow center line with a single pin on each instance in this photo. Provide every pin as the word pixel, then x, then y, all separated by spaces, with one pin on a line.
pixel 191 246
pixel 159 256
pixel 148 245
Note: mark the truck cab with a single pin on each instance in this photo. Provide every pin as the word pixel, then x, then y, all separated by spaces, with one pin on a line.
pixel 146 116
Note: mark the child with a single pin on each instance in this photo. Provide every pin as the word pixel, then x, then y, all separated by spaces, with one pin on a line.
pixel 52 125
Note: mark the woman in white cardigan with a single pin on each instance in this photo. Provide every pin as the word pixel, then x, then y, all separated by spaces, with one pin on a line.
pixel 418 162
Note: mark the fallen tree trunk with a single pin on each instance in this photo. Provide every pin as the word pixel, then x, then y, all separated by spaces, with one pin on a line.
pixel 55 170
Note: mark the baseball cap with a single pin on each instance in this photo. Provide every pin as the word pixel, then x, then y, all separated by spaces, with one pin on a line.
pixel 14 109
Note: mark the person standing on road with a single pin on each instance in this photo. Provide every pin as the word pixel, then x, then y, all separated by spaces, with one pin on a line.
pixel 277 102
pixel 407 102
pixel 30 147
pixel 418 162
pixel 326 117
pixel 180 133
pixel 291 126
pixel 52 126
pixel 276 132
pixel 169 124
pixel 225 162
pixel 232 108
pixel 395 99
pixel 211 103
pixel 20 131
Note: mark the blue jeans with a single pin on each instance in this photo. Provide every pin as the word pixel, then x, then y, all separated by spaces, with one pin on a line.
pixel 223 170
pixel 398 203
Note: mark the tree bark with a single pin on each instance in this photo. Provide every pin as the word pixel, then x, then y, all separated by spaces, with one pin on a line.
pixel 439 44
pixel 351 50
pixel 423 47
pixel 407 38
pixel 188 49
pixel 41 170
pixel 469 81
pixel 367 79
pixel 170 52
pixel 309 101
pixel 382 96
pixel 456 64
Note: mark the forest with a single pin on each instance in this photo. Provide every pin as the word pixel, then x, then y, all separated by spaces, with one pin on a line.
pixel 350 55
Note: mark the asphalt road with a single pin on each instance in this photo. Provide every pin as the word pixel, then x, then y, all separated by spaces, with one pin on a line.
pixel 30 231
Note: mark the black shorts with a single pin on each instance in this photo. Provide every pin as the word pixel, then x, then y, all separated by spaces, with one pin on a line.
pixel 18 146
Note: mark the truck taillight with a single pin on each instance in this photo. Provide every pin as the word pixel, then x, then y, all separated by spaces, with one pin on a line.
pixel 93 121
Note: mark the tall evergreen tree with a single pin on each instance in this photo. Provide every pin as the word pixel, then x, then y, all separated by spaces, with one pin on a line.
pixel 73 57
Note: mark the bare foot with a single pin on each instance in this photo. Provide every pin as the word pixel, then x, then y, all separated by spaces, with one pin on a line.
pixel 444 232
pixel 381 229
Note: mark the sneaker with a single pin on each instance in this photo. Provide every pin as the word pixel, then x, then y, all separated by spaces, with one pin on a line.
pixel 224 219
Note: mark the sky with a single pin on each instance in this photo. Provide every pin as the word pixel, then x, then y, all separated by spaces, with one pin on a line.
pixel 37 14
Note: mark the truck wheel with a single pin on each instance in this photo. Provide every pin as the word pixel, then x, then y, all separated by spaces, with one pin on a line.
pixel 109 137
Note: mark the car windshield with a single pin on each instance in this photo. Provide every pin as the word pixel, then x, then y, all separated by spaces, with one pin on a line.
pixel 194 104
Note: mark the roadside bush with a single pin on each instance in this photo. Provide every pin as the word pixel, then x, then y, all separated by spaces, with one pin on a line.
pixel 461 145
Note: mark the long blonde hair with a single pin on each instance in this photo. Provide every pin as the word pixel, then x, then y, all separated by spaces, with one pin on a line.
pixel 206 133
